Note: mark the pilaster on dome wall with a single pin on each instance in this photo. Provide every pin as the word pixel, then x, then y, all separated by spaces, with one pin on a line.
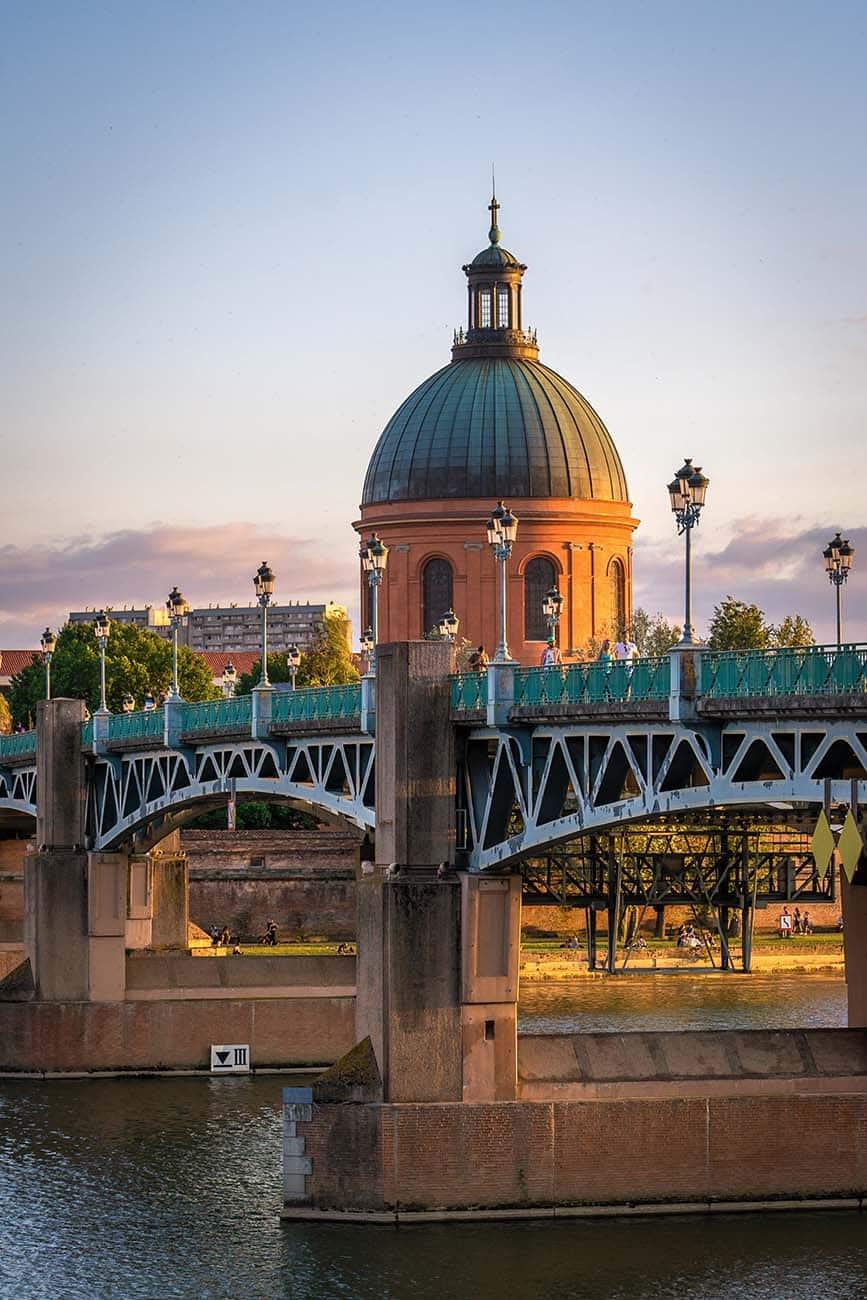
pixel 580 538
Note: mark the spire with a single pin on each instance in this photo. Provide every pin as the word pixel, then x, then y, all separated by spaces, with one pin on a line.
pixel 493 208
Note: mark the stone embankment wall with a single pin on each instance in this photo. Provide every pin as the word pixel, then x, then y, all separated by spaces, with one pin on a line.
pixel 608 1123
pixel 304 880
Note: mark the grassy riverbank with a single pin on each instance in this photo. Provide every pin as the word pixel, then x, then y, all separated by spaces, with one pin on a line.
pixel 805 954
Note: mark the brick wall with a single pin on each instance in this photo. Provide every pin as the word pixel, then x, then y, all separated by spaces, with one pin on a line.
pixel 82 1036
pixel 534 1154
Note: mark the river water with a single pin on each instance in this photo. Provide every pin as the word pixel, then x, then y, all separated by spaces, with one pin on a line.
pixel 170 1188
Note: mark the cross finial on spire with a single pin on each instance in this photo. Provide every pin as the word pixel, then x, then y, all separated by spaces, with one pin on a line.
pixel 493 208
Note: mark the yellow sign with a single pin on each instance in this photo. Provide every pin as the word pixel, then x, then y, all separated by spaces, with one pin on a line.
pixel 850 846
pixel 823 845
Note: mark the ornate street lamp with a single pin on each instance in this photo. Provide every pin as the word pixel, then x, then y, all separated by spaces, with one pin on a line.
pixel 127 703
pixel 687 492
pixel 502 530
pixel 552 606
pixel 230 676
pixel 367 644
pixel 838 556
pixel 102 628
pixel 448 625
pixel 178 609
pixel 264 585
pixel 374 557
pixel 293 658
pixel 48 643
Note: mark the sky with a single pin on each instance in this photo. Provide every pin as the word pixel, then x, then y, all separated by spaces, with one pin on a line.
pixel 230 245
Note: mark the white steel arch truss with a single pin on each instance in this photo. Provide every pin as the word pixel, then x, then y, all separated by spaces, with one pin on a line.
pixel 522 789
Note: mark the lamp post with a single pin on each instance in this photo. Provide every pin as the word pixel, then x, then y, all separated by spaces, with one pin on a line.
pixel 127 703
pixel 448 625
pixel 552 606
pixel 366 644
pixel 264 585
pixel 101 628
pixel 48 643
pixel 230 676
pixel 838 556
pixel 374 557
pixel 687 492
pixel 502 531
pixel 178 609
pixel 293 658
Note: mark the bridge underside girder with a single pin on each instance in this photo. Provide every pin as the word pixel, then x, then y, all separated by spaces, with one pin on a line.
pixel 522 790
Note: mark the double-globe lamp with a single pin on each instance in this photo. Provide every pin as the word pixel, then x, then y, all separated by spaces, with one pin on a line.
pixel 838 556
pixel 178 608
pixel 502 530
pixel 48 641
pixel 101 629
pixel 687 492
pixel 263 583
pixel 373 554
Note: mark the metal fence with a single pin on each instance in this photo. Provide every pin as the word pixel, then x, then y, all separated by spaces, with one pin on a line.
pixel 143 725
pixel 316 703
pixel 469 691
pixel 594 683
pixel 22 742
pixel 811 670
pixel 228 714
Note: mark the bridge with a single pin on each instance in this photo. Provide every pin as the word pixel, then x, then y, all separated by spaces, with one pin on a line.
pixel 541 755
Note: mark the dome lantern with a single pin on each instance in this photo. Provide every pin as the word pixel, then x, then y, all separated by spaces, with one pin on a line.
pixel 494 326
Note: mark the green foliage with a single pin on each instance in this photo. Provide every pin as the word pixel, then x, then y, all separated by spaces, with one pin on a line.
pixel 736 625
pixel 258 816
pixel 136 660
pixel 328 662
pixel 5 716
pixel 654 636
pixel 793 631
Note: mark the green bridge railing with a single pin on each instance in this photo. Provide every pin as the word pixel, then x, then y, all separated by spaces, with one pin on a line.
pixel 317 704
pixel 143 725
pixel 229 714
pixel 22 742
pixel 594 683
pixel 811 670
pixel 469 691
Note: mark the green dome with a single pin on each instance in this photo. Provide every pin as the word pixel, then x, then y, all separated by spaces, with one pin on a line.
pixel 498 427
pixel 494 255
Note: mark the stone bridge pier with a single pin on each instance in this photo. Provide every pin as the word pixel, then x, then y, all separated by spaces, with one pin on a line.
pixel 83 910
pixel 438 950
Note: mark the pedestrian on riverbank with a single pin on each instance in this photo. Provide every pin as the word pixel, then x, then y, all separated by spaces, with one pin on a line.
pixel 785 924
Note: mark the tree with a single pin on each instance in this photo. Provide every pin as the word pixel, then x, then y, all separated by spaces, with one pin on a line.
pixel 5 717
pixel 328 662
pixel 654 636
pixel 736 625
pixel 136 660
pixel 793 631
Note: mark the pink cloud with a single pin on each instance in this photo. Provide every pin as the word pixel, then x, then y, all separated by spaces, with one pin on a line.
pixel 776 565
pixel 41 584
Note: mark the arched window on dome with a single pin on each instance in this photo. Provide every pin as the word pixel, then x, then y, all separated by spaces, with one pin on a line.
pixel 485 309
pixel 437 588
pixel 617 576
pixel 503 309
pixel 539 576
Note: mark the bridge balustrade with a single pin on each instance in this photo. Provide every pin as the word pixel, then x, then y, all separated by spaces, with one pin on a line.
pixel 317 703
pixel 469 692
pixel 17 745
pixel 143 725
pixel 811 670
pixel 594 683
pixel 228 714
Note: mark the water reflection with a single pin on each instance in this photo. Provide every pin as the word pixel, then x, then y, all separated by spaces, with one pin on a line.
pixel 631 1002
pixel 124 1189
